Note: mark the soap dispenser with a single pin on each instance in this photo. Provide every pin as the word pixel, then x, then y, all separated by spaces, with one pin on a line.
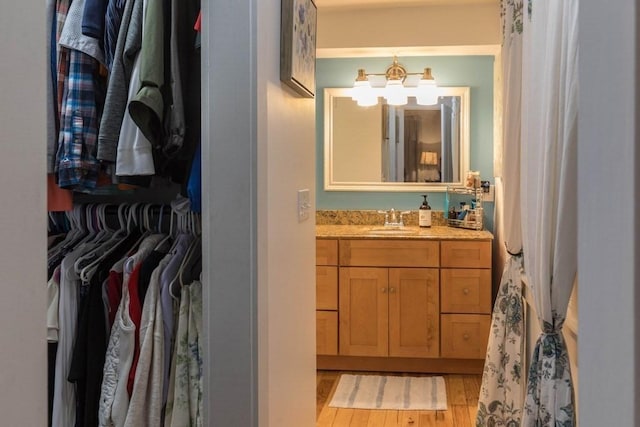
pixel 424 213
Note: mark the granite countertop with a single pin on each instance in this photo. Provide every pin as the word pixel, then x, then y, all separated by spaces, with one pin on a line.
pixel 407 232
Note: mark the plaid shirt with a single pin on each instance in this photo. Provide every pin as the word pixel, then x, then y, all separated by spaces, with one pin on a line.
pixel 62 9
pixel 77 166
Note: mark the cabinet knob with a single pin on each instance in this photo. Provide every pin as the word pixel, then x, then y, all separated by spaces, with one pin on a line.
pixel 465 337
pixel 384 290
pixel 465 291
pixel 392 290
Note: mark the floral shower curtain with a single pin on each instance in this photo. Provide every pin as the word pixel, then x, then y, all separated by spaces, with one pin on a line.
pixel 502 392
pixel 549 190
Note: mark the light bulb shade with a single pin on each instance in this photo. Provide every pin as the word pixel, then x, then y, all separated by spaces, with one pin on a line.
pixel 368 100
pixel 360 88
pixel 363 94
pixel 427 90
pixel 395 93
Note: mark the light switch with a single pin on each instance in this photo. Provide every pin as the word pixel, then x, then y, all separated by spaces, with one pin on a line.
pixel 304 205
pixel 489 196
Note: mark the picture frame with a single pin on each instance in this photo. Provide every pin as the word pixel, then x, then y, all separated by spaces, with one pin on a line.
pixel 298 46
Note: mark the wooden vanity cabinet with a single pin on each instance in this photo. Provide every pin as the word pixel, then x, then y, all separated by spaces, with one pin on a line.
pixel 465 286
pixel 389 298
pixel 403 304
pixel 327 296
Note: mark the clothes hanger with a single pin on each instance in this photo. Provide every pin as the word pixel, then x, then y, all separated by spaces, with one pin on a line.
pixel 176 283
pixel 126 222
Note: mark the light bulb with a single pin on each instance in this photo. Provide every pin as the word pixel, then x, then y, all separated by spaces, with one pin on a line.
pixel 395 93
pixel 427 91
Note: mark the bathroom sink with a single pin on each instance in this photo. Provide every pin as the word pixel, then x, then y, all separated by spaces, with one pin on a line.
pixel 394 231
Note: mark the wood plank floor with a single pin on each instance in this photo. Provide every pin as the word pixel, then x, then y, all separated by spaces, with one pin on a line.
pixel 462 401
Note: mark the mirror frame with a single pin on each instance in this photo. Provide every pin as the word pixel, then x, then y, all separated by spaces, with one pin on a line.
pixel 330 184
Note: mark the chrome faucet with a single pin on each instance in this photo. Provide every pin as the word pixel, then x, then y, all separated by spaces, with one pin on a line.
pixel 393 218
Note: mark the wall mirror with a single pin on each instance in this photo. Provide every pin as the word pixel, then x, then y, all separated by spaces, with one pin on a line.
pixel 395 148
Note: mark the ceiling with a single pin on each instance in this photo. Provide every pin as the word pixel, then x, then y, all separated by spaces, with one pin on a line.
pixel 395 3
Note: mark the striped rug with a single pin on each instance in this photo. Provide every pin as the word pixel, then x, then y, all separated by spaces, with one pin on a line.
pixel 390 392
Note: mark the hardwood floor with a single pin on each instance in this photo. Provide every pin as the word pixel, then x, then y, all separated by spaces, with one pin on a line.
pixel 462 401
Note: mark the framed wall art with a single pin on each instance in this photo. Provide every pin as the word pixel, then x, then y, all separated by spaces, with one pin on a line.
pixel 298 46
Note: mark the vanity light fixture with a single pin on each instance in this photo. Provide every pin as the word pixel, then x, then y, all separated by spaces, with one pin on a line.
pixel 395 91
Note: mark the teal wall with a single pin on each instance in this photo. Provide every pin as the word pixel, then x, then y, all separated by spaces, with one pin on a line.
pixel 473 71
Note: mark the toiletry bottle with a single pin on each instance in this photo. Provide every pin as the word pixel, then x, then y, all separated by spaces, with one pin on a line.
pixel 463 210
pixel 424 213
pixel 452 213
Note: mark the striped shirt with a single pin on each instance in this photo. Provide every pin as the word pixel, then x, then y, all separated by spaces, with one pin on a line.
pixel 113 19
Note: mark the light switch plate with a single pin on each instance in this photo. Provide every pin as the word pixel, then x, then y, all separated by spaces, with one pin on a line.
pixel 304 205
pixel 490 195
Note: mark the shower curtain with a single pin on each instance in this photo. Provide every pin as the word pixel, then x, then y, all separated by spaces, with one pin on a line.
pixel 549 198
pixel 502 392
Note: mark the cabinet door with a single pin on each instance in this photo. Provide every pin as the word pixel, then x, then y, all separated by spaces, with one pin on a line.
pixel 326 287
pixel 414 315
pixel 363 311
pixel 326 332
pixel 465 336
pixel 466 290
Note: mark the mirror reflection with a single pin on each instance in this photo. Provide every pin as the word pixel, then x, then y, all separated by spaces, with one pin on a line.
pixel 385 146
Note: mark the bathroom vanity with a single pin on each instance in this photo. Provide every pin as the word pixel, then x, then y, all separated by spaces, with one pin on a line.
pixel 402 299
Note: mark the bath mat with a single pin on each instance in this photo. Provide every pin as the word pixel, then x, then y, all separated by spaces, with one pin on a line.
pixel 390 392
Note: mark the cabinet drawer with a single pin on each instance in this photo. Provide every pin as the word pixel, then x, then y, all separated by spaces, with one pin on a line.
pixel 464 336
pixel 326 252
pixel 389 253
pixel 465 290
pixel 466 254
pixel 327 332
pixel 326 287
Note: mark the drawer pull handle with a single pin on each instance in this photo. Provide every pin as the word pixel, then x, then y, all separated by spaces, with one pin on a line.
pixel 384 290
pixel 392 290
pixel 465 291
pixel 465 337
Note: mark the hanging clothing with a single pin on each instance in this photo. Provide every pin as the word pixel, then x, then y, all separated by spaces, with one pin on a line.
pixel 64 397
pixel 77 166
pixel 196 353
pixel 53 298
pixel 52 111
pixel 135 153
pixel 184 405
pixel 147 105
pixel 93 17
pixel 127 47
pixel 114 399
pixel 91 341
pixel 145 407
pixel 132 274
pixel 178 253
pixel 113 20
pixel 177 411
pixel 120 351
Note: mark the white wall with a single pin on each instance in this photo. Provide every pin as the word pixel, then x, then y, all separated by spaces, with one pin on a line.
pixel 395 27
pixel 608 177
pixel 258 150
pixel 286 247
pixel 23 220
